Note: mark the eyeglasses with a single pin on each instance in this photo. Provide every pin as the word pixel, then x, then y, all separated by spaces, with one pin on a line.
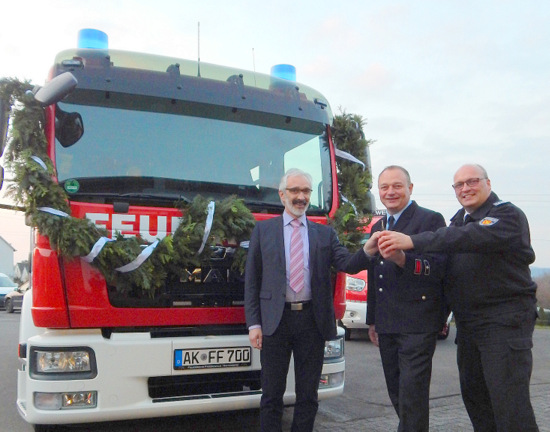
pixel 296 191
pixel 470 182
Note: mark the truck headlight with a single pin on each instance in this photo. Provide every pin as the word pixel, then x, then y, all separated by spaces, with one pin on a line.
pixel 62 363
pixel 62 401
pixel 334 349
pixel 331 380
pixel 355 284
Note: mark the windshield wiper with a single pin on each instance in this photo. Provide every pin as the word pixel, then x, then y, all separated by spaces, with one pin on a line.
pixel 172 196
pixel 163 196
pixel 264 204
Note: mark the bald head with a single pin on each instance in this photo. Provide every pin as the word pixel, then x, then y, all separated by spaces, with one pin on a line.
pixel 472 186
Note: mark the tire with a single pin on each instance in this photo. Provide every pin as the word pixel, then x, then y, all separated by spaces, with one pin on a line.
pixel 9 306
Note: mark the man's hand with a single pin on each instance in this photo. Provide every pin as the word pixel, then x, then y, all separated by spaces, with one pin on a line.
pixel 255 337
pixel 373 336
pixel 371 246
pixel 392 241
pixel 398 257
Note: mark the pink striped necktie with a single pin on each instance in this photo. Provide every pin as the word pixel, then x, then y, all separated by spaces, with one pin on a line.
pixel 296 257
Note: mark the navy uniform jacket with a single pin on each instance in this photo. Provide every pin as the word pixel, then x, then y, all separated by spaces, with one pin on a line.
pixel 488 262
pixel 409 299
pixel 265 274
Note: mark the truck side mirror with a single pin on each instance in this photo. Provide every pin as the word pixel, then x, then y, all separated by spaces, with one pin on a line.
pixel 69 127
pixel 56 89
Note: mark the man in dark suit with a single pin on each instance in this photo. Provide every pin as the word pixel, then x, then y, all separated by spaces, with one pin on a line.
pixel 289 307
pixel 405 310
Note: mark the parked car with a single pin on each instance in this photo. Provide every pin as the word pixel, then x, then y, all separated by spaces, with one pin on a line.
pixel 6 286
pixel 14 299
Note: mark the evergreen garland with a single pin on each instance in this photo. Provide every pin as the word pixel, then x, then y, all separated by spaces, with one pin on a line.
pixel 34 187
pixel 354 181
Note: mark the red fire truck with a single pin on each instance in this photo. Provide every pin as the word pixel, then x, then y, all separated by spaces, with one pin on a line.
pixel 137 133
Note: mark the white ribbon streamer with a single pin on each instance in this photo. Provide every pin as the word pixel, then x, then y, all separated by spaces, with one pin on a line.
pixel 96 249
pixel 140 259
pixel 53 211
pixel 208 224
pixel 39 162
pixel 349 202
pixel 348 156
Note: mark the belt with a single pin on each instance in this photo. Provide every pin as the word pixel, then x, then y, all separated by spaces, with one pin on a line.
pixel 298 306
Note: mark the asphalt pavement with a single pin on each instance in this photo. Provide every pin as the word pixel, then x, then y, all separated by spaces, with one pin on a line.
pixel 446 415
pixel 447 411
pixel 364 406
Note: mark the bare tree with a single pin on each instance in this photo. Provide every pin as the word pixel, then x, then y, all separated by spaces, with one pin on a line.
pixel 543 290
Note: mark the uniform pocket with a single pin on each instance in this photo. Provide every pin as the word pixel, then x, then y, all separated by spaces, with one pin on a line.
pixel 520 362
pixel 519 344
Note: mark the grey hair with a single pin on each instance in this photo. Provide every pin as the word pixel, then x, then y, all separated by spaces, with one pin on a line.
pixel 291 173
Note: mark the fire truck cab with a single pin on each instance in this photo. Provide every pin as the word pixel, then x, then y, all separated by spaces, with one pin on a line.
pixel 134 134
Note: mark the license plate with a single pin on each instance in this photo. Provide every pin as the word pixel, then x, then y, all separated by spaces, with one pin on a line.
pixel 212 358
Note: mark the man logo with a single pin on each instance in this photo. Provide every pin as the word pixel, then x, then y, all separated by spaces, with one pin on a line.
pixel 488 221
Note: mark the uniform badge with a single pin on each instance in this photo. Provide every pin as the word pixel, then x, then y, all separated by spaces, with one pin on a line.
pixel 417 266
pixel 488 221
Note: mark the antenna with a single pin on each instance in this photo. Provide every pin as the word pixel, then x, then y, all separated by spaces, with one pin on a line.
pixel 199 49
pixel 254 66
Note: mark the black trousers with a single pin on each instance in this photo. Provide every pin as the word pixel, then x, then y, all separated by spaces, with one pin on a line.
pixel 297 334
pixel 495 363
pixel 407 363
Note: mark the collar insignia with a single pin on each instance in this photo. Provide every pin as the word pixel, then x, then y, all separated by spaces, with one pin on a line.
pixel 497 203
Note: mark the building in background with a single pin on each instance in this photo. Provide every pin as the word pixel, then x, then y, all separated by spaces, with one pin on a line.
pixel 21 272
pixel 6 257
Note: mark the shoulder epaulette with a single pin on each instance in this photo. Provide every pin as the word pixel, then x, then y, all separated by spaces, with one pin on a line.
pixel 500 203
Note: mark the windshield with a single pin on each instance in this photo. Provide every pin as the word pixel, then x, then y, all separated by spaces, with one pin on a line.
pixel 147 155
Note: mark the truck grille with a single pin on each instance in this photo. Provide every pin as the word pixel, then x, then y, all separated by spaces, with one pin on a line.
pixel 212 385
pixel 214 285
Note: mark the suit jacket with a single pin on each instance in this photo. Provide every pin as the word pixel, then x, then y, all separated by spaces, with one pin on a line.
pixel 265 275
pixel 408 299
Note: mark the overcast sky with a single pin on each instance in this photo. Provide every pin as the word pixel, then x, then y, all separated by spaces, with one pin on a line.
pixel 440 83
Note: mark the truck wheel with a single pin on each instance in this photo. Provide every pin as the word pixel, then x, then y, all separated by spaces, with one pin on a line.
pixel 9 306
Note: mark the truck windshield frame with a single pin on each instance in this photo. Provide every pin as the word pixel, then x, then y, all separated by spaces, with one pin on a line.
pixel 147 149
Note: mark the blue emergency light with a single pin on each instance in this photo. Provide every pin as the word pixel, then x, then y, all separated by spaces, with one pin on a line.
pixel 284 71
pixel 92 38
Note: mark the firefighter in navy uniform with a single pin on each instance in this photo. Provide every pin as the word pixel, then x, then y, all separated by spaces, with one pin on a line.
pixel 405 302
pixel 493 297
